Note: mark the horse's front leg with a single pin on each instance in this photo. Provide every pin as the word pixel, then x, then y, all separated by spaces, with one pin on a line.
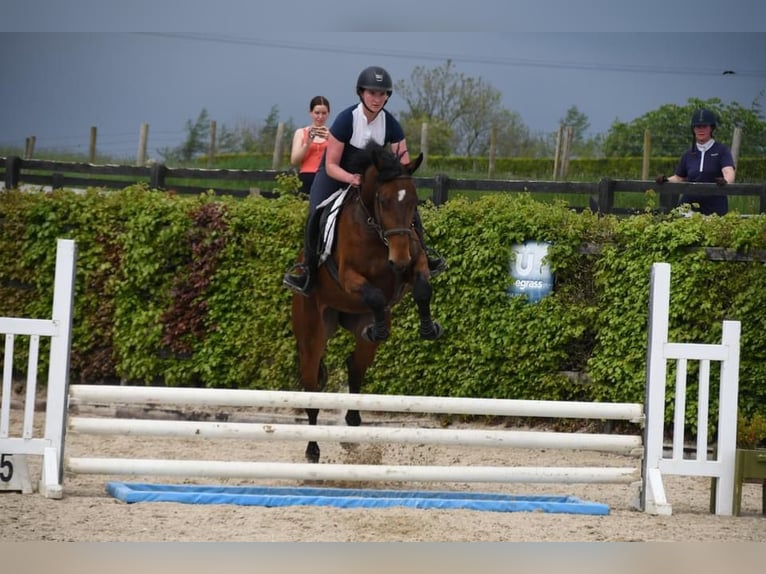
pixel 312 448
pixel 421 293
pixel 378 330
pixel 353 418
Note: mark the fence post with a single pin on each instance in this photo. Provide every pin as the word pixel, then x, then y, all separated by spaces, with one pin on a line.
pixel 566 150
pixel 736 141
pixel 157 174
pixel 606 195
pixel 29 149
pixel 491 163
pixel 211 147
pixel 424 143
pixel 57 180
pixel 647 154
pixel 276 159
pixel 441 189
pixel 92 146
pixel 13 169
pixel 142 139
pixel 557 153
pixel 668 201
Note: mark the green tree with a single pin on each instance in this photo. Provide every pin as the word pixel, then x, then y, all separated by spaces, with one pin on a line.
pixel 579 123
pixel 439 134
pixel 582 146
pixel 474 126
pixel 512 138
pixel 196 142
pixel 247 136
pixel 228 140
pixel 467 107
pixel 267 134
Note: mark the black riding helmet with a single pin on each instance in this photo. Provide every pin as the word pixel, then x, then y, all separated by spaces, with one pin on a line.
pixel 704 117
pixel 374 78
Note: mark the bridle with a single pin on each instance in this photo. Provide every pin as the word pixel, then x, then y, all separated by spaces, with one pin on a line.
pixel 373 219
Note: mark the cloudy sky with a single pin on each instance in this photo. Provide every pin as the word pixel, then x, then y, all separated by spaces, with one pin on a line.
pixel 63 74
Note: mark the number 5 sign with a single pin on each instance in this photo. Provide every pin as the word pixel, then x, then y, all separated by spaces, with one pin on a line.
pixel 14 474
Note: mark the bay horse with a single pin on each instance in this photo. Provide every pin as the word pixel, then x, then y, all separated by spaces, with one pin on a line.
pixel 376 259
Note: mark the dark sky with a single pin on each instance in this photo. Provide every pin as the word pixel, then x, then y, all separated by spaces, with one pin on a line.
pixel 57 85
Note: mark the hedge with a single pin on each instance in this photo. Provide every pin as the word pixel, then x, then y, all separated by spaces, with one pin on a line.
pixel 186 291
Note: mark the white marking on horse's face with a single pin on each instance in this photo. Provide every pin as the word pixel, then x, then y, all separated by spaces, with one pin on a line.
pixel 401 194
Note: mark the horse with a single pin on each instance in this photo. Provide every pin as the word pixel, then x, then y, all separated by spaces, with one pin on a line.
pixel 377 258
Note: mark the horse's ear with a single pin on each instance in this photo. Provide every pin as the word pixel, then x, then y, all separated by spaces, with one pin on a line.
pixel 415 164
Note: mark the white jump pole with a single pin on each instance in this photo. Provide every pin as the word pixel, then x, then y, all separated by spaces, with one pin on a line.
pixel 309 471
pixel 620 444
pixel 368 402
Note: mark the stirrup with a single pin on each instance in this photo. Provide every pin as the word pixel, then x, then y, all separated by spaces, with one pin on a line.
pixel 436 265
pixel 297 282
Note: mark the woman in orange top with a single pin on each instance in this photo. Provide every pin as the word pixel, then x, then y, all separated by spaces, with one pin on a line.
pixel 310 142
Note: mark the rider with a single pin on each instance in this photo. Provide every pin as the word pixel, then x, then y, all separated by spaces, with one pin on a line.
pixel 351 131
pixel 707 161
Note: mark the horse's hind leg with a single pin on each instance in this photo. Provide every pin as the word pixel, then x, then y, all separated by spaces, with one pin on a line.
pixel 357 364
pixel 421 293
pixel 311 337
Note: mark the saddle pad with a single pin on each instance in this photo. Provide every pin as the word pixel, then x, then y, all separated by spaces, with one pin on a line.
pixel 332 206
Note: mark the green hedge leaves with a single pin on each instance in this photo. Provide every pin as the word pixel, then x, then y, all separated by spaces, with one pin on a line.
pixel 178 290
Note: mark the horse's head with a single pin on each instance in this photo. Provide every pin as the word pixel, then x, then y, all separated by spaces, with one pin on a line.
pixel 389 194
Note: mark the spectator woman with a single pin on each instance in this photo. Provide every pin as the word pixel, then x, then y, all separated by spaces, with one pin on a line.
pixel 310 142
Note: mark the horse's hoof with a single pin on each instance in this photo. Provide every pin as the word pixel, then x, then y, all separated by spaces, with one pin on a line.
pixel 312 453
pixel 353 419
pixel 312 458
pixel 431 332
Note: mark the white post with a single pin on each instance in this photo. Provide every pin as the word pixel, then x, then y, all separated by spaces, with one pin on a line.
pixel 727 419
pixel 652 493
pixel 58 374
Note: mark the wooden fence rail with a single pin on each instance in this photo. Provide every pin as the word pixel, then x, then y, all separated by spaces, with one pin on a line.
pixel 239 182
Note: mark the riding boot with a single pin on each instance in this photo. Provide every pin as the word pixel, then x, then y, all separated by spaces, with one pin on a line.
pixel 301 277
pixel 436 263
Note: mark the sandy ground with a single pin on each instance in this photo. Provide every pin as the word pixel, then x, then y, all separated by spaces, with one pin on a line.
pixel 87 513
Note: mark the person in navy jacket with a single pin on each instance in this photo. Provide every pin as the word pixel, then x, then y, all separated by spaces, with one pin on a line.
pixel 707 161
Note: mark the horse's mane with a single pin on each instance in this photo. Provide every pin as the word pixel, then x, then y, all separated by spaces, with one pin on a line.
pixel 388 164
